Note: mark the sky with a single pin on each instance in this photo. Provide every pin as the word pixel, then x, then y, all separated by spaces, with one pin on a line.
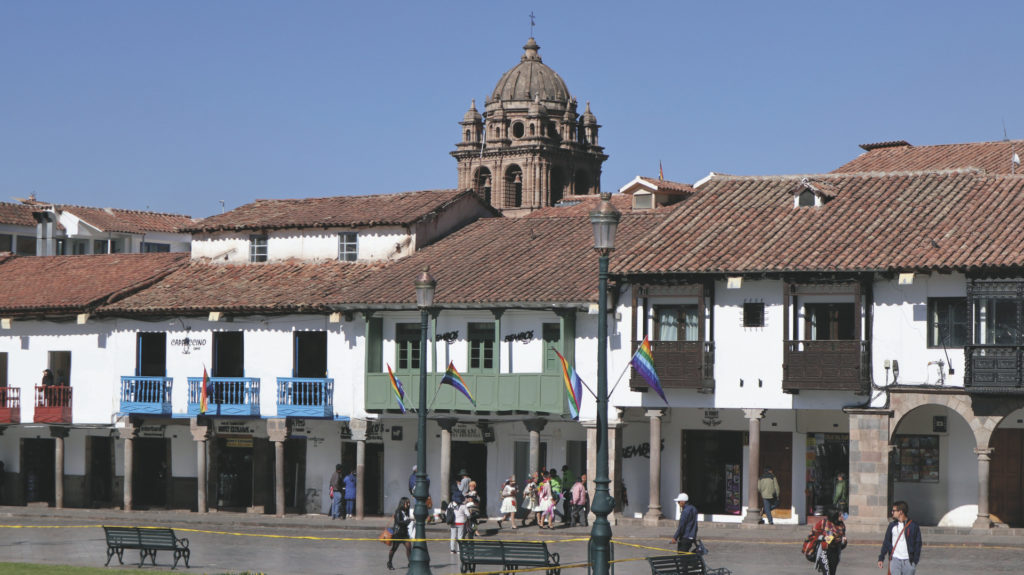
pixel 179 106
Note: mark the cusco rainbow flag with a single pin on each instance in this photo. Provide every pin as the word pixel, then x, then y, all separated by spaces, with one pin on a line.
pixel 643 363
pixel 396 386
pixel 573 386
pixel 452 378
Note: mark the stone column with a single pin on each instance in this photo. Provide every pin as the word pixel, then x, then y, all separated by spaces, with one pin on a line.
pixel 127 431
pixel 869 467
pixel 654 480
pixel 358 428
pixel 535 426
pixel 446 425
pixel 200 433
pixel 754 464
pixel 615 431
pixel 277 431
pixel 984 521
pixel 58 434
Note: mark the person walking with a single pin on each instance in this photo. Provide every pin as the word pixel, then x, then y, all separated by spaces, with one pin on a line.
pixel 768 487
pixel 686 532
pixel 568 480
pixel 335 492
pixel 841 494
pixel 831 534
pixel 556 494
pixel 578 497
pixel 531 500
pixel 509 493
pixel 902 542
pixel 460 517
pixel 546 503
pixel 350 493
pixel 402 519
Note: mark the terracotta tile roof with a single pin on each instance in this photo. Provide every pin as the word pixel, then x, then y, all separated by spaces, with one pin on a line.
pixel 991 157
pixel 272 287
pixel 16 214
pixel 575 206
pixel 669 186
pixel 73 284
pixel 941 221
pixel 337 211
pixel 118 220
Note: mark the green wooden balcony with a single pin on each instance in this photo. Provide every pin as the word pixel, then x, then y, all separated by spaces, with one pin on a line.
pixel 506 392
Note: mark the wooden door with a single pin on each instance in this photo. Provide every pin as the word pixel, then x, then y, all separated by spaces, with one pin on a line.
pixel 1006 476
pixel 777 453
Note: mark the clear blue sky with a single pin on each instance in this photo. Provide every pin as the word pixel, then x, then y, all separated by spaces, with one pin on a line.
pixel 173 106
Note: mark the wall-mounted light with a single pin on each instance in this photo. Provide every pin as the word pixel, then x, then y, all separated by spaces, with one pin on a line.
pixel 734 282
pixel 895 370
pixel 216 315
pixel 82 318
pixel 906 279
pixel 335 317
pixel 5 323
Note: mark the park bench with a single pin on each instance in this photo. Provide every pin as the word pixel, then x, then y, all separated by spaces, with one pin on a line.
pixel 690 564
pixel 148 541
pixel 473 552
pixel 520 554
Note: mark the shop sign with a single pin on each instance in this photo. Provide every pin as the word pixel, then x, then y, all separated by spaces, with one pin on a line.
pixel 234 428
pixel 712 418
pixel 374 431
pixel 297 428
pixel 188 344
pixel 244 442
pixel 152 431
pixel 466 432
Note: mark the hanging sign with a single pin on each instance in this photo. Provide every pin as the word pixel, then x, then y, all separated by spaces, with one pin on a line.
pixel 156 431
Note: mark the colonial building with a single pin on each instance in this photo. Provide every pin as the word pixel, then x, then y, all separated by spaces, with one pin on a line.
pixel 531 147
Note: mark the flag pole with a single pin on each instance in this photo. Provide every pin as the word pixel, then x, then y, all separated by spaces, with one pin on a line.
pixel 617 381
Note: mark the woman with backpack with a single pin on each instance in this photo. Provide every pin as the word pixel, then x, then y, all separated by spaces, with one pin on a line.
pixel 825 543
pixel 508 501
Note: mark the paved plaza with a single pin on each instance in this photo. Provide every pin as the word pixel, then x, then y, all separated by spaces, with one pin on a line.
pixel 315 545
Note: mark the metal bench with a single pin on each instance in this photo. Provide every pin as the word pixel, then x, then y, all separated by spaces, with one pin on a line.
pixel 690 564
pixel 148 541
pixel 529 554
pixel 473 552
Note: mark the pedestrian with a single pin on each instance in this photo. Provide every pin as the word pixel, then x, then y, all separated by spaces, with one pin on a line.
pixel 579 495
pixel 768 487
pixel 902 542
pixel 568 480
pixel 402 518
pixel 556 494
pixel 547 503
pixel 841 494
pixel 686 532
pixel 350 493
pixel 464 481
pixel 412 481
pixel 509 493
pixel 335 492
pixel 531 500
pixel 830 531
pixel 459 518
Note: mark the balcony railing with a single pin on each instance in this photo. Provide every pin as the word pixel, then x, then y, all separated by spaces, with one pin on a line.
pixel 10 405
pixel 225 396
pixel 305 397
pixel 994 369
pixel 151 395
pixel 506 392
pixel 680 365
pixel 53 404
pixel 827 365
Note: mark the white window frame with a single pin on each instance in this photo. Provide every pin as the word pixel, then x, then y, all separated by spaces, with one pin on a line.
pixel 348 246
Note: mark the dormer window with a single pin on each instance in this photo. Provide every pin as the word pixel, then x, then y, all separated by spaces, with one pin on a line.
pixel 643 201
pixel 806 198
pixel 813 193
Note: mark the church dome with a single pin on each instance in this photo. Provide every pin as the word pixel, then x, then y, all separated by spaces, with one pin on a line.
pixel 531 79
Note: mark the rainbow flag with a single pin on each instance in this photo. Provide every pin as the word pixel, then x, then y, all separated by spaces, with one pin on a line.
pixel 396 386
pixel 573 386
pixel 202 391
pixel 643 363
pixel 452 378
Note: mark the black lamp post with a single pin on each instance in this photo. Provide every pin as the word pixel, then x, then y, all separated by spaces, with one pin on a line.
pixel 604 219
pixel 419 559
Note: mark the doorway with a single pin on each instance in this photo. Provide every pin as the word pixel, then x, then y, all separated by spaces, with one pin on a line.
pixel 295 475
pixel 234 472
pixel 712 470
pixel 152 355
pixel 777 453
pixel 373 475
pixel 1006 482
pixel 38 469
pixel 472 457
pixel 100 475
pixel 151 471
pixel 60 365
pixel 228 354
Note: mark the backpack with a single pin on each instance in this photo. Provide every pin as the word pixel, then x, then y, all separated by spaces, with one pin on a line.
pixel 449 514
pixel 810 547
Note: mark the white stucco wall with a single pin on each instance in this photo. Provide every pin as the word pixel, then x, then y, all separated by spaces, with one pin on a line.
pixel 373 244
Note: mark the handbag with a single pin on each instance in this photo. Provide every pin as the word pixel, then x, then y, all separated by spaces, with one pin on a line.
pixel 699 548
pixel 385 536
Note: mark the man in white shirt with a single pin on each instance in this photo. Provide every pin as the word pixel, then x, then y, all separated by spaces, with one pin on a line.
pixel 902 542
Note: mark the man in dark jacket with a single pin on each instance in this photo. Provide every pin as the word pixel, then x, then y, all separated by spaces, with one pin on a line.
pixel 768 487
pixel 902 542
pixel 686 533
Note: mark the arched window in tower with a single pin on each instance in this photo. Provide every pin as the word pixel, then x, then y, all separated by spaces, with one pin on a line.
pixel 467 136
pixel 533 129
pixel 518 130
pixel 557 186
pixel 513 187
pixel 582 184
pixel 482 184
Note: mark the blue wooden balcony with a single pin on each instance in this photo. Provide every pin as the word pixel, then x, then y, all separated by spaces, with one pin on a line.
pixel 305 397
pixel 150 395
pixel 226 396
pixel 506 392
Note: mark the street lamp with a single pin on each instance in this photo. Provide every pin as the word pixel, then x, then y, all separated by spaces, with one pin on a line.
pixel 604 219
pixel 419 559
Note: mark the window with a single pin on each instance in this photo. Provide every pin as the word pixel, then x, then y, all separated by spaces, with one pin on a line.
pixel 643 201
pixel 947 322
pixel 59 362
pixel 151 359
pixel 829 321
pixel 995 321
pixel 918 458
pixel 806 199
pixel 481 345
pixel 78 247
pixel 552 333
pixel 26 246
pixel 257 248
pixel 753 314
pixel 676 323
pixel 151 247
pixel 3 369
pixel 348 246
pixel 407 342
pixel 6 242
pixel 99 246
pixel 518 130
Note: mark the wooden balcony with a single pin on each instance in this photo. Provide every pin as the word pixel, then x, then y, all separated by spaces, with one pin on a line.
pixel 825 365
pixel 993 369
pixel 225 396
pixel 148 395
pixel 305 397
pixel 680 365
pixel 506 392
pixel 53 404
pixel 10 405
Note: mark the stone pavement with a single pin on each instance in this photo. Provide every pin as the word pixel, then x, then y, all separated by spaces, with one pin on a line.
pixel 314 545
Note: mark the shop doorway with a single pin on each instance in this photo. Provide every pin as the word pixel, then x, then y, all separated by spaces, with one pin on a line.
pixel 472 457
pixel 100 476
pixel 38 469
pixel 295 475
pixel 151 471
pixel 828 454
pixel 777 453
pixel 234 473
pixel 1006 481
pixel 712 470
pixel 373 476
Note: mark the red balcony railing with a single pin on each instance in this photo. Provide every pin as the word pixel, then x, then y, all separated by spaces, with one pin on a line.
pixel 10 405
pixel 53 404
